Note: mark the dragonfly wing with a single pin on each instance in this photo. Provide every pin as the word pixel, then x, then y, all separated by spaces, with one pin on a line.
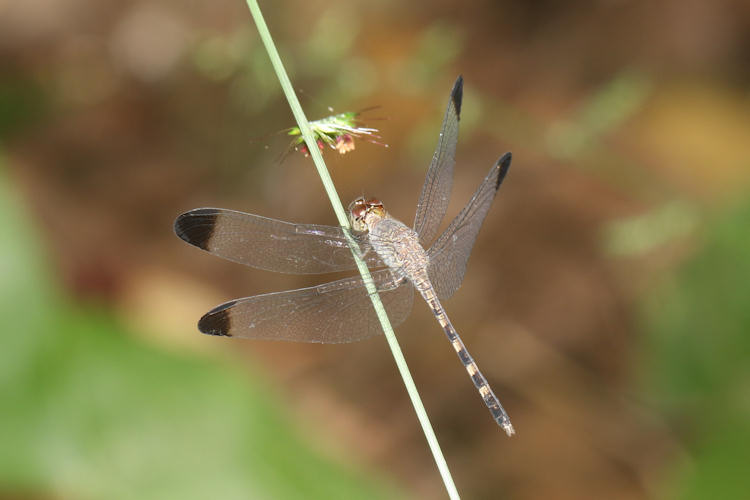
pixel 332 313
pixel 450 253
pixel 271 244
pixel 433 201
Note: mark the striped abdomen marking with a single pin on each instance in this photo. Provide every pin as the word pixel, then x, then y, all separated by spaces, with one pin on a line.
pixel 493 404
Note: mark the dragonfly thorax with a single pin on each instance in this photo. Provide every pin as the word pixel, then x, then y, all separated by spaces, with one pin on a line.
pixel 398 247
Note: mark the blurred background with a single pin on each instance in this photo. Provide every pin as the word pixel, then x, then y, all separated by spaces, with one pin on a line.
pixel 606 299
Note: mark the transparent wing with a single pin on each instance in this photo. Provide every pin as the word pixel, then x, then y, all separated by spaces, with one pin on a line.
pixel 271 244
pixel 332 313
pixel 450 253
pixel 433 201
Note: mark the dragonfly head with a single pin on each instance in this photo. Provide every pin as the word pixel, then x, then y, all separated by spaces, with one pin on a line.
pixel 362 212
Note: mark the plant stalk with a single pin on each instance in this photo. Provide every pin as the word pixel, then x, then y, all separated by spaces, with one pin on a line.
pixel 343 220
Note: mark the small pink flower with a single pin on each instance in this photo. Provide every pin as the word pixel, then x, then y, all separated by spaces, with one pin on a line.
pixel 344 143
pixel 302 148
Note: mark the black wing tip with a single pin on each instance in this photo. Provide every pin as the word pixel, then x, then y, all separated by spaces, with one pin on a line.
pixel 457 94
pixel 504 164
pixel 217 321
pixel 196 226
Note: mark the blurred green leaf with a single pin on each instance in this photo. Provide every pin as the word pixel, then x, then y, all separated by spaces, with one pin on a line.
pixel 696 353
pixel 643 233
pixel 602 112
pixel 22 103
pixel 90 412
pixel 333 35
pixel 438 46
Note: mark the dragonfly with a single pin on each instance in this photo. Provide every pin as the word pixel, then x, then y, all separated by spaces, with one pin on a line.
pixel 399 256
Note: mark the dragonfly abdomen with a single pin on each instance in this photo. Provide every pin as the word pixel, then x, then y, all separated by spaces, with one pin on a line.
pixel 485 391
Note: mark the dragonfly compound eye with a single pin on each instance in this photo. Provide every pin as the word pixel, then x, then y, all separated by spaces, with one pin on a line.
pixel 374 203
pixel 358 208
pixel 359 212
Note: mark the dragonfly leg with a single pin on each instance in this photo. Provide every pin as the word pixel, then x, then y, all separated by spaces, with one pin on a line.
pixel 391 284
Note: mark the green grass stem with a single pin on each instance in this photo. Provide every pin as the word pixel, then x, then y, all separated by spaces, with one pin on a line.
pixel 343 220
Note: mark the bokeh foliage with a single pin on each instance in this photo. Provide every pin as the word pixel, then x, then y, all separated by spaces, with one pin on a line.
pixel 696 355
pixel 90 411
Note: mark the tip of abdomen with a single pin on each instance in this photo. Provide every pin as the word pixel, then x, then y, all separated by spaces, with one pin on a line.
pixel 507 427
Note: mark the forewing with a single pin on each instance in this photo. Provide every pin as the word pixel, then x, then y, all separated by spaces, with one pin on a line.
pixel 450 253
pixel 332 313
pixel 433 201
pixel 271 244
